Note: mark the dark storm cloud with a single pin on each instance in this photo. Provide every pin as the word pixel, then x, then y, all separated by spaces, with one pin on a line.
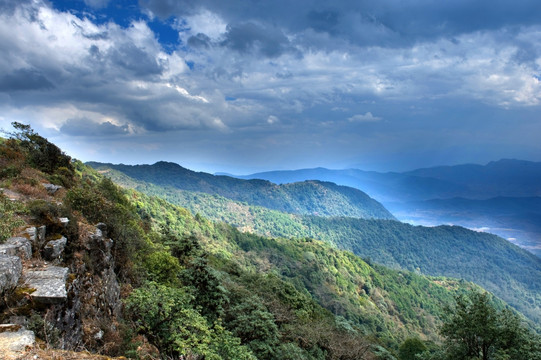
pixel 134 59
pixel 24 79
pixel 87 127
pixel 384 22
pixel 249 37
pixel 199 41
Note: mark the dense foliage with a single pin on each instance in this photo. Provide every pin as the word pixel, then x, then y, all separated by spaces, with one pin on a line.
pixel 8 217
pixel 476 329
pixel 389 303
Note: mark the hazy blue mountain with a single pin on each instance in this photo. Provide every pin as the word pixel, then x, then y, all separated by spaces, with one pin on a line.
pixel 506 177
pixel 501 197
pixel 511 178
pixel 389 186
pixel 307 198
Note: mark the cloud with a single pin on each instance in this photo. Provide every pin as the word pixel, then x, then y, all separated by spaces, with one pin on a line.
pixel 386 22
pixel 272 119
pixel 24 79
pixel 367 117
pixel 250 37
pixel 97 4
pixel 419 66
pixel 87 127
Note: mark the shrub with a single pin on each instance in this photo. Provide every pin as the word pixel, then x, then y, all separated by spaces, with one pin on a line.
pixel 8 217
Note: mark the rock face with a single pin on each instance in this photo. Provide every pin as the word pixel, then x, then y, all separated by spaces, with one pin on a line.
pixel 17 246
pixel 50 284
pixel 83 310
pixel 17 340
pixel 54 249
pixel 10 272
pixel 52 188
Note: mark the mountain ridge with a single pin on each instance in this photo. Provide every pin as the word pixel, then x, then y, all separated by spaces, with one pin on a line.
pixel 309 197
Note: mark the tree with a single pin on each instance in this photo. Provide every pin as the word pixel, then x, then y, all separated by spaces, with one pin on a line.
pixel 42 154
pixel 410 348
pixel 477 330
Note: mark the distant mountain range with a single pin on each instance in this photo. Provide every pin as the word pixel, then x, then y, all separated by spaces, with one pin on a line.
pixel 502 196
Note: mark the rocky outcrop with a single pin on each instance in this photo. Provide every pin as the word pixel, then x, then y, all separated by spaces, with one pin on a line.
pixel 49 283
pixel 17 246
pixel 54 249
pixel 15 338
pixel 10 272
pixel 70 283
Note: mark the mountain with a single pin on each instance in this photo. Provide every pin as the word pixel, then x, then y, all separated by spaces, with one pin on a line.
pixel 384 187
pixel 495 194
pixel 488 260
pixel 506 177
pixel 308 197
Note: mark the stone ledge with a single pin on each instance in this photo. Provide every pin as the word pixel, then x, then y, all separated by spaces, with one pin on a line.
pixel 50 284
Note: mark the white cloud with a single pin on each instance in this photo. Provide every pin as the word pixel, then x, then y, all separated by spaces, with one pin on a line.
pixel 272 119
pixel 367 117
pixel 207 23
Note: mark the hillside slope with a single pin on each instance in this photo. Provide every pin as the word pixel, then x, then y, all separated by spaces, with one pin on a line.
pixel 488 260
pixel 309 198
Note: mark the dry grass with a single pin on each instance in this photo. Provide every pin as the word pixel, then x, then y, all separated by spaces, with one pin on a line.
pixel 32 191
pixel 41 354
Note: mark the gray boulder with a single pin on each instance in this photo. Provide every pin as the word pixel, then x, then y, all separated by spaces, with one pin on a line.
pixel 52 188
pixel 10 272
pixel 15 338
pixel 17 246
pixel 54 249
pixel 50 284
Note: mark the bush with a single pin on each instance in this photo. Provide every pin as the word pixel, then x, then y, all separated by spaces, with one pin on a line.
pixel 167 318
pixel 8 217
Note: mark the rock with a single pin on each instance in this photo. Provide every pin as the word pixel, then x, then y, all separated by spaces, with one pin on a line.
pixel 50 284
pixel 10 272
pixel 52 188
pixel 16 340
pixel 9 327
pixel 17 246
pixel 41 234
pixel 54 249
pixel 32 234
pixel 102 227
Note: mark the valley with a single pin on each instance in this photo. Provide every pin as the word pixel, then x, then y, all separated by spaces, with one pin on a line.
pixel 501 197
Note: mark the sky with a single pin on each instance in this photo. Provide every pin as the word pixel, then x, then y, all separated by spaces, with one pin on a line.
pixel 253 85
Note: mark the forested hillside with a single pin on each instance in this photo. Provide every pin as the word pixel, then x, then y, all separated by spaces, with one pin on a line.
pixel 308 198
pixel 488 260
